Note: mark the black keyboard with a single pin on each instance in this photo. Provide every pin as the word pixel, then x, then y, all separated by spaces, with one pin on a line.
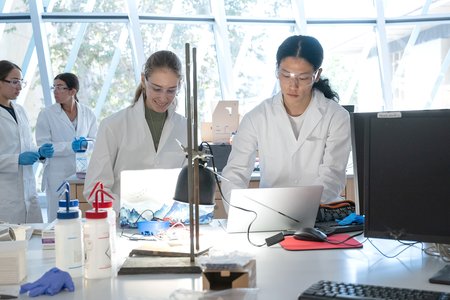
pixel 340 290
pixel 333 227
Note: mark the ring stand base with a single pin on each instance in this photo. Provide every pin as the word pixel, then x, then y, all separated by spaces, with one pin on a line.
pixel 159 265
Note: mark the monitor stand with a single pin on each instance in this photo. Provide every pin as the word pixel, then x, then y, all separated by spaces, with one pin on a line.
pixel 442 276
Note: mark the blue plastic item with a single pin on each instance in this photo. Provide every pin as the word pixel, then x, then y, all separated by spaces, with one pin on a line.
pixel 51 283
pixel 152 227
pixel 351 219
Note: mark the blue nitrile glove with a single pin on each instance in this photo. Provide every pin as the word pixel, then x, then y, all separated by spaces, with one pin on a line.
pixel 351 219
pixel 28 158
pixel 51 283
pixel 46 150
pixel 79 145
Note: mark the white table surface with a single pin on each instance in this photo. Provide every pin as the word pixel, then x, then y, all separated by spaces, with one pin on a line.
pixel 281 274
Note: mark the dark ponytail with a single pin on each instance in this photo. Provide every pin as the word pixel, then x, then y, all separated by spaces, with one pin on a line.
pixel 323 85
pixel 71 80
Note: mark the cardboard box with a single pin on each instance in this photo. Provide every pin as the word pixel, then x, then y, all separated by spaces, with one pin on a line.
pixel 225 121
pixel 231 276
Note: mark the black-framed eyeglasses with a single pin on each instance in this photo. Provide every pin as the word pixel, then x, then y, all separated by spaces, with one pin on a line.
pixel 59 88
pixel 16 82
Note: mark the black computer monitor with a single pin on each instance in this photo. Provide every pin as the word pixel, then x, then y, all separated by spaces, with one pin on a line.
pixel 357 133
pixel 403 174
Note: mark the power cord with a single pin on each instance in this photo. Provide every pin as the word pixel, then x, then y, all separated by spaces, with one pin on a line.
pixel 441 250
pixel 271 239
pixel 407 246
pixel 345 240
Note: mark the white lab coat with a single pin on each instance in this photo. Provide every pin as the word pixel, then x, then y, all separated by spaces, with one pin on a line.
pixel 54 126
pixel 318 156
pixel 18 196
pixel 124 142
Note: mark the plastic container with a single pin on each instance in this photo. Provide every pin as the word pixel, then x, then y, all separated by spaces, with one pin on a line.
pixel 69 243
pixel 82 158
pixel 81 164
pixel 112 219
pixel 97 245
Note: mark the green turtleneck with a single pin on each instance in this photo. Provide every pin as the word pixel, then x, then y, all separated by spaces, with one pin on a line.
pixel 155 122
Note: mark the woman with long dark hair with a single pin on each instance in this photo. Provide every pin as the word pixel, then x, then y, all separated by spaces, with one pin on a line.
pixel 18 196
pixel 65 124
pixel 301 134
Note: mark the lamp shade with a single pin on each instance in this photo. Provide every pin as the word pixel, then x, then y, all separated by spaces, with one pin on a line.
pixel 207 186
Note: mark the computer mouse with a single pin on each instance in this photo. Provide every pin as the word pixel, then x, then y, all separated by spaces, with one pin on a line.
pixel 310 234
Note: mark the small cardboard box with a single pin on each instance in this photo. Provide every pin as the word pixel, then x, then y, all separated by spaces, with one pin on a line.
pixel 230 277
pixel 225 121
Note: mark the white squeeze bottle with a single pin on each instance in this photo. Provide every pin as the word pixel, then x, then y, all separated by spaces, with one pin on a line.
pixel 97 245
pixel 68 241
pixel 107 205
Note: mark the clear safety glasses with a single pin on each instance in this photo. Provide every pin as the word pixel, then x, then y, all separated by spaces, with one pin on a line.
pixel 159 91
pixel 59 88
pixel 16 82
pixel 300 79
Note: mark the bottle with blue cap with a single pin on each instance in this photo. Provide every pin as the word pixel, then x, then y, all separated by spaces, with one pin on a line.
pixel 68 238
pixel 97 244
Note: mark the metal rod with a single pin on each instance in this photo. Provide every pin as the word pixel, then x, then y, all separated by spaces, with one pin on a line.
pixel 189 151
pixel 196 162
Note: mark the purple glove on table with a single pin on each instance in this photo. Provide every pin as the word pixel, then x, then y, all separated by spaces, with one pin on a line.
pixel 51 283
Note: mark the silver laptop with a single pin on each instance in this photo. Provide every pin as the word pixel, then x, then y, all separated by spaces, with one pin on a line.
pixel 276 209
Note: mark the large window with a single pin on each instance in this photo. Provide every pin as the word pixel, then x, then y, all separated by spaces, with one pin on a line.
pixel 379 55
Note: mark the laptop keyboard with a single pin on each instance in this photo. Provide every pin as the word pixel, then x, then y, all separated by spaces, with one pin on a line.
pixel 333 227
pixel 340 290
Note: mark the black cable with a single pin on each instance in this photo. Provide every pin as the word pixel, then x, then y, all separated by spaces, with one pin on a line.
pixel 407 246
pixel 140 215
pixel 226 201
pixel 347 239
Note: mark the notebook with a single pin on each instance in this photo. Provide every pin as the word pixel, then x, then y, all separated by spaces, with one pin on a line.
pixel 276 209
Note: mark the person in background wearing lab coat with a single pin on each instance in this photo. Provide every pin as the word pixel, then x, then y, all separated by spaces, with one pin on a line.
pixel 302 134
pixel 18 195
pixel 64 124
pixel 143 135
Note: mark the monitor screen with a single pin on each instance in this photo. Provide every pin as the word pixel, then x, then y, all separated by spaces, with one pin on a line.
pixel 403 168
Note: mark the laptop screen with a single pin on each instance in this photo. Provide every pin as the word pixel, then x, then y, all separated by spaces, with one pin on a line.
pixel 273 209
